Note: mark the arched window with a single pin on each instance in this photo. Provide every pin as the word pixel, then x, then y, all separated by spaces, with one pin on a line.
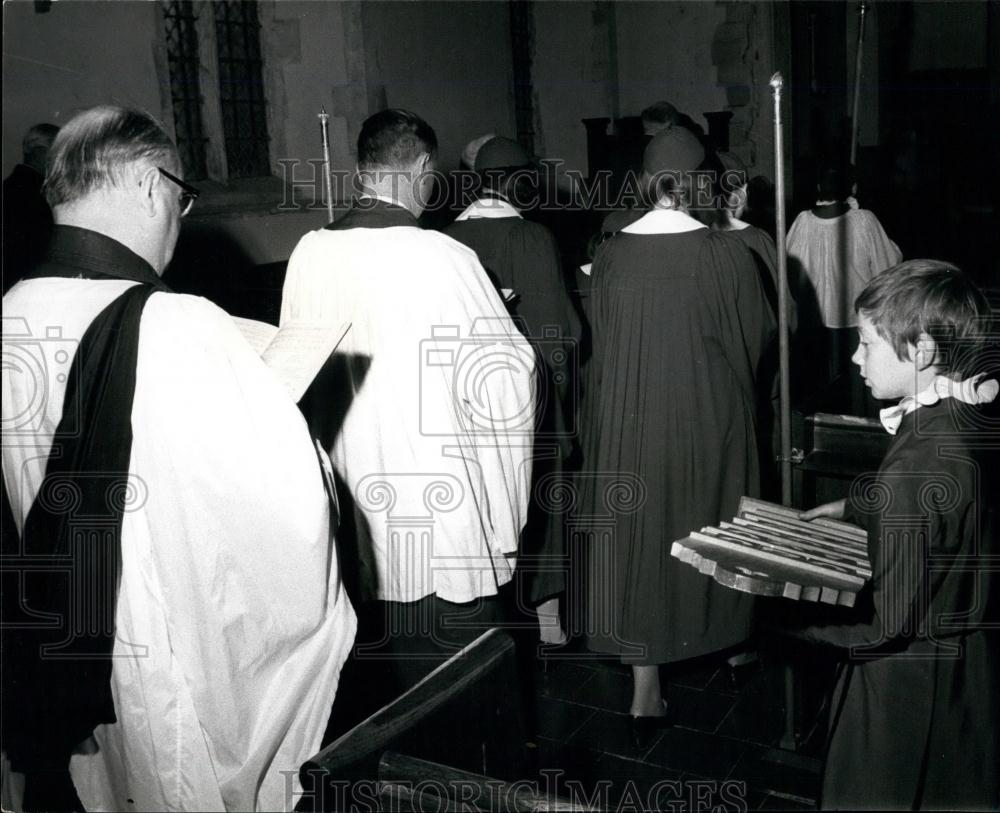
pixel 217 88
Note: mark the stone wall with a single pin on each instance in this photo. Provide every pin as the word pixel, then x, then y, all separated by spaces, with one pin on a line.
pixel 664 53
pixel 73 57
pixel 743 54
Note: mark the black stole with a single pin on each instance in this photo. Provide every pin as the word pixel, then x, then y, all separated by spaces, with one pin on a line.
pixel 372 213
pixel 57 668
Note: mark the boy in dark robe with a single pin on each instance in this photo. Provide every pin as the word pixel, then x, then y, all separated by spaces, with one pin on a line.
pixel 916 712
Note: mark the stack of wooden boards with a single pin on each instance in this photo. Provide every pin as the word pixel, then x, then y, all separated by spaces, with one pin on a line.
pixel 767 550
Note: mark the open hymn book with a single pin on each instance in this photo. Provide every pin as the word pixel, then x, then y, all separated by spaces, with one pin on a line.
pixel 295 352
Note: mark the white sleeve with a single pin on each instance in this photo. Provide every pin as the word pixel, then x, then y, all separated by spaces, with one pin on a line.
pixel 239 546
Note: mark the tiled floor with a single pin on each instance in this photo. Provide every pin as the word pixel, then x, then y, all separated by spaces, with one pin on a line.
pixel 721 754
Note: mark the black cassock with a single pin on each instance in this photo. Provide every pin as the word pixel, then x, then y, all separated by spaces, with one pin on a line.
pixel 765 257
pixel 679 325
pixel 916 712
pixel 523 257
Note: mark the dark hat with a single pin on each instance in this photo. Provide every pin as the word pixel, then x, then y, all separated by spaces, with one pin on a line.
pixel 501 153
pixel 731 161
pixel 472 149
pixel 660 113
pixel 673 150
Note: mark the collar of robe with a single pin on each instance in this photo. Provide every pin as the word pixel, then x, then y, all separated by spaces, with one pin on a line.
pixel 664 221
pixel 970 391
pixel 491 205
pixel 369 212
pixel 77 253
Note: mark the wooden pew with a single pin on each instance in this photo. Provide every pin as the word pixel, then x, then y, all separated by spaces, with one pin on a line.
pixel 409 784
pixel 465 714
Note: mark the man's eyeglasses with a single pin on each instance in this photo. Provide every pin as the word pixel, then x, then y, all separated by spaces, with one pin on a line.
pixel 188 195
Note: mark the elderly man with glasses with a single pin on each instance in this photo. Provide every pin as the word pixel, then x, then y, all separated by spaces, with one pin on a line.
pixel 174 621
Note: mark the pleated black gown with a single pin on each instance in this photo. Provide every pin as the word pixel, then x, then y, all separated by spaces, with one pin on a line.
pixel 680 323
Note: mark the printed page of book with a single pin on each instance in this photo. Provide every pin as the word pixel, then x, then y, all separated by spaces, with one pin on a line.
pixel 257 334
pixel 299 350
pixel 296 352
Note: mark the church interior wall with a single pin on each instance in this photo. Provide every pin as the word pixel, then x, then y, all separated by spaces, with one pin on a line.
pixel 948 35
pixel 451 62
pixel 664 53
pixel 73 57
pixel 448 61
pixel 572 76
pixel 306 51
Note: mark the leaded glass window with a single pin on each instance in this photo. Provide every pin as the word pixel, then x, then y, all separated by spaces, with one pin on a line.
pixel 241 88
pixel 180 20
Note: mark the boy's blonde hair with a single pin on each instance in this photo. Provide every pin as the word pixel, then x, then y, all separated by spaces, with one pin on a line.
pixel 934 298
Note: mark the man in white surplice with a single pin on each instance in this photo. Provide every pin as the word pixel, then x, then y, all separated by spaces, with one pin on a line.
pixel 231 624
pixel 427 407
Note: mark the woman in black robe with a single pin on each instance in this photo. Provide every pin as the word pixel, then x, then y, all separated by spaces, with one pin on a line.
pixel 523 260
pixel 732 198
pixel 680 323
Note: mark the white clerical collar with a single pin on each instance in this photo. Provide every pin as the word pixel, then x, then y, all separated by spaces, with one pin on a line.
pixel 490 206
pixel 383 198
pixel 851 201
pixel 663 221
pixel 940 388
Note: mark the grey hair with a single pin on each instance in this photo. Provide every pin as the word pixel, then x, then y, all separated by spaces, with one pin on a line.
pixel 95 148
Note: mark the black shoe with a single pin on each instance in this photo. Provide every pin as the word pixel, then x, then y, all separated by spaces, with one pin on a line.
pixel 547 653
pixel 740 675
pixel 645 729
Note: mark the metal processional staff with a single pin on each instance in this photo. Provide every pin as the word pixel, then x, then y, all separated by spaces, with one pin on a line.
pixel 783 374
pixel 324 128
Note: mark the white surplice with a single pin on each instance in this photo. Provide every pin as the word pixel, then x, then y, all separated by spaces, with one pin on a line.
pixel 232 624
pixel 436 443
pixel 839 256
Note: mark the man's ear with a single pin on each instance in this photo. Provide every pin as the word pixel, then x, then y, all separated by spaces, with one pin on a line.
pixel 740 199
pixel 149 181
pixel 925 352
pixel 422 164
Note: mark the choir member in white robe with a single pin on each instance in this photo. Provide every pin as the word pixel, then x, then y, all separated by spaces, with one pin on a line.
pixel 230 623
pixel 839 250
pixel 834 250
pixel 427 407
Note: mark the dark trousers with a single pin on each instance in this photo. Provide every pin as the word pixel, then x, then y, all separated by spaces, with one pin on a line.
pixel 400 643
